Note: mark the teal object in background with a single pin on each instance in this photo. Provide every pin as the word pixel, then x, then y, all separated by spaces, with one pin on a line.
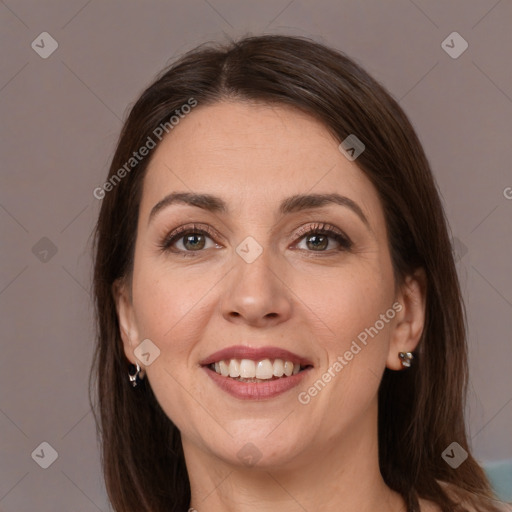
pixel 500 476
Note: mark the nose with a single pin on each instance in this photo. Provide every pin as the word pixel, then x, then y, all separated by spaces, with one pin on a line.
pixel 256 293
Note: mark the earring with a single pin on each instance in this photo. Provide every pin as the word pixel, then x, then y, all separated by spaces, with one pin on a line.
pixel 406 358
pixel 136 377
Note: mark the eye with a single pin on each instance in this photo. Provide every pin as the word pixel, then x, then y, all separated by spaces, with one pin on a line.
pixel 318 238
pixel 191 238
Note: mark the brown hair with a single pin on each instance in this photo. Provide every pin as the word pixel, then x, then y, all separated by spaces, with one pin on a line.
pixel 421 409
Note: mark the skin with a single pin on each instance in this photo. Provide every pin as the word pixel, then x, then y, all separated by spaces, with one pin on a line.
pixel 319 456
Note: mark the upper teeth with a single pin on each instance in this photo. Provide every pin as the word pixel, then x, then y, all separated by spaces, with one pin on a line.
pixel 248 369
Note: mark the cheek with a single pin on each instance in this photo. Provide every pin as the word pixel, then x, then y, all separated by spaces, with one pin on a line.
pixel 169 301
pixel 346 301
pixel 351 334
pixel 170 311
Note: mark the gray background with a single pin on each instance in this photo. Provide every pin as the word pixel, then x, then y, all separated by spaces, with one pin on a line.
pixel 60 120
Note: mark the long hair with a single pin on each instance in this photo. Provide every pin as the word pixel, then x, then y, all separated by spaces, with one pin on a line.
pixel 421 410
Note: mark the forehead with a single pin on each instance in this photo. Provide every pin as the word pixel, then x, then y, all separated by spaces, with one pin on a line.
pixel 254 154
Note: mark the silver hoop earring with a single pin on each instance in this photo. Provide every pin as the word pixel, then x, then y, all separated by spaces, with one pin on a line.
pixel 136 377
pixel 406 358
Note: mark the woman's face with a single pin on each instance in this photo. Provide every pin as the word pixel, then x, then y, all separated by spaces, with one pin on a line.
pixel 259 281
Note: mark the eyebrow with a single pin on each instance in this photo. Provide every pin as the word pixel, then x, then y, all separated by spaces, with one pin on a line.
pixel 289 205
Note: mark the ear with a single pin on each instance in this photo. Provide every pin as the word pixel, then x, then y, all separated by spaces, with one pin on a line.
pixel 125 314
pixel 410 318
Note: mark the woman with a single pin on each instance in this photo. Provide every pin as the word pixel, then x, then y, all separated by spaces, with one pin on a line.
pixel 280 325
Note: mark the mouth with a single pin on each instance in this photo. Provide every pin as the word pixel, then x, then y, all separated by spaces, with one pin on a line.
pixel 264 370
pixel 248 373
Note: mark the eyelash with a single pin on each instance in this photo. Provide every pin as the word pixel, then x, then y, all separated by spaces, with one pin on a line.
pixel 317 229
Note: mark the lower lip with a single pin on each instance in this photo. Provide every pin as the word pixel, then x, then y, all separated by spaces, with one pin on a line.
pixel 256 390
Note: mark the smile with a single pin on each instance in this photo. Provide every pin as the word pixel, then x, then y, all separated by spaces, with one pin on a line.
pixel 256 373
pixel 247 370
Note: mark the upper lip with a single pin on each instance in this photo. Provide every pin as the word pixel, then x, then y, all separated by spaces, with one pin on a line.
pixel 255 354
